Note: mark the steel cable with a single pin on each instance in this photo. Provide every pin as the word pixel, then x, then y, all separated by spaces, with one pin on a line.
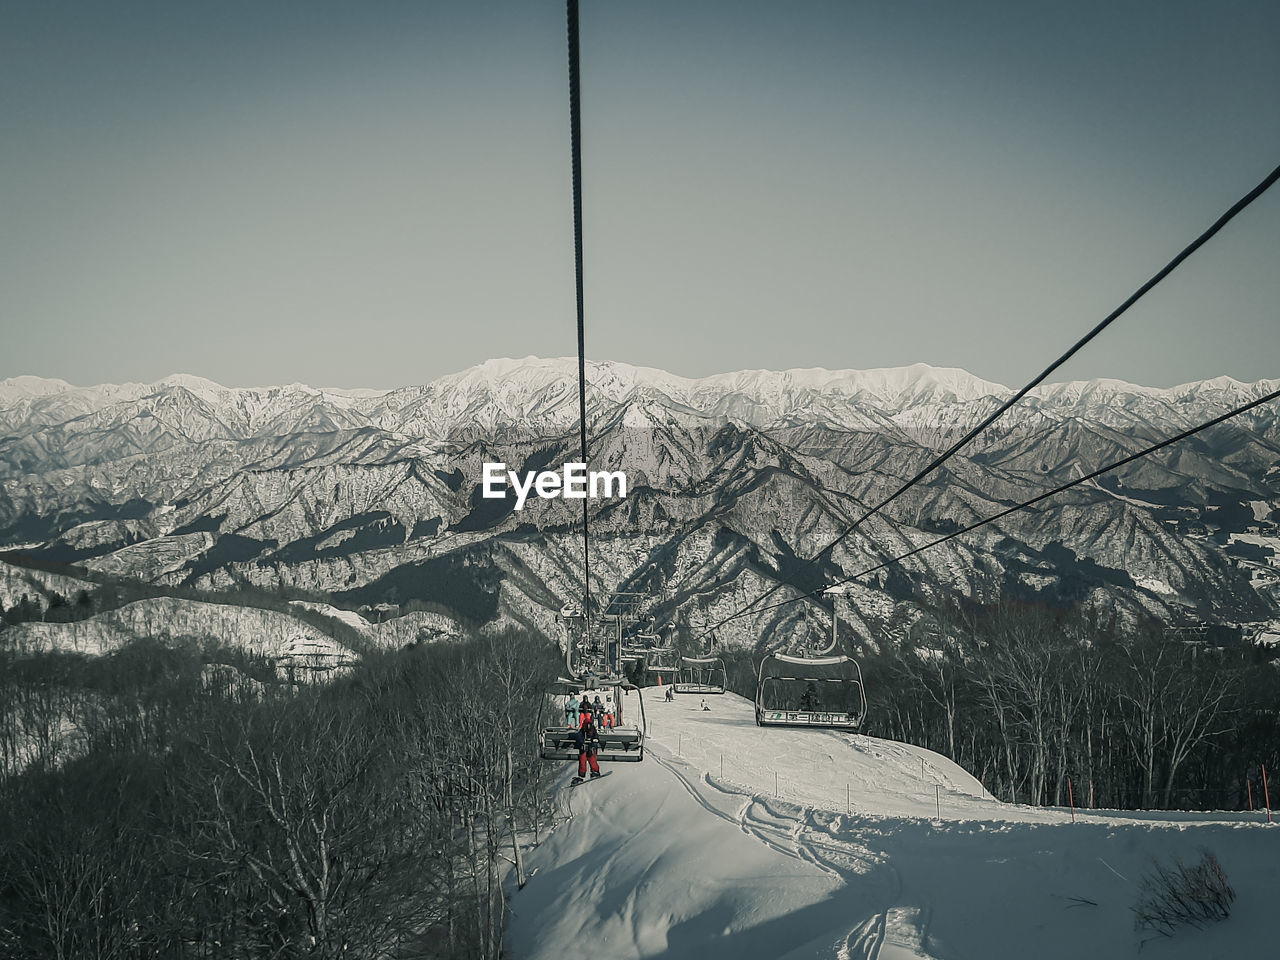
pixel 964 441
pixel 575 112
pixel 1028 503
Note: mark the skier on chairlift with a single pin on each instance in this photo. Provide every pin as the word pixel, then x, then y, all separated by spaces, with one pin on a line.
pixel 571 710
pixel 809 701
pixel 588 746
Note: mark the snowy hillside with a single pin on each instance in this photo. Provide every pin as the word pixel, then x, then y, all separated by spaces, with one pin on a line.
pixel 265 633
pixel 699 852
pixel 36 586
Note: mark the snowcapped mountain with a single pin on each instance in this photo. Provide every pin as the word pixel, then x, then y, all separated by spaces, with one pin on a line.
pixel 373 496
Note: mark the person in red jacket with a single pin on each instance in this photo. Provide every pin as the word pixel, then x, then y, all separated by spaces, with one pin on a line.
pixel 588 745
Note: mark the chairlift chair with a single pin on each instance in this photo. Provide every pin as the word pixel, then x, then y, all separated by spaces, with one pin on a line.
pixel 663 663
pixel 624 741
pixel 701 675
pixel 824 692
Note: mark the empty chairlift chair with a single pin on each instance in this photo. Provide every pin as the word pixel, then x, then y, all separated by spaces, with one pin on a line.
pixel 662 664
pixel 701 675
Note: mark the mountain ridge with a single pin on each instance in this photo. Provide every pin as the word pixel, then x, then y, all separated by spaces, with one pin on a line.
pixel 373 496
pixel 879 380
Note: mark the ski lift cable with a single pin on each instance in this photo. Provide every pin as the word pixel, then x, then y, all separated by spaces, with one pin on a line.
pixel 964 441
pixel 575 140
pixel 1037 499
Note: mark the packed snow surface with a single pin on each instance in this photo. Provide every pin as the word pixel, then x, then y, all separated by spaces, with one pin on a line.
pixel 731 840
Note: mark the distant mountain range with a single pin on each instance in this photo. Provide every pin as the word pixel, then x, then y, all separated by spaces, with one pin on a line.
pixel 372 496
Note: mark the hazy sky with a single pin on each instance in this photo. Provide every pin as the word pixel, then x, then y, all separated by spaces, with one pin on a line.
pixel 376 194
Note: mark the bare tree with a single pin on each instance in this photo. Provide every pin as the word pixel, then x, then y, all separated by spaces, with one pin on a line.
pixel 1195 708
pixel 300 816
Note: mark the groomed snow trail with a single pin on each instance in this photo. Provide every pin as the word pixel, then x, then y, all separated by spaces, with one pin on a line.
pixel 732 840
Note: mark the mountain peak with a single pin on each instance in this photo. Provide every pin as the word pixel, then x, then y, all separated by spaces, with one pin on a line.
pixel 616 380
pixel 13 389
pixel 190 381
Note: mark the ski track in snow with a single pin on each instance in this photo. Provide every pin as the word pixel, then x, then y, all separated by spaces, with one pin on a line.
pixel 691 855
pixel 812 836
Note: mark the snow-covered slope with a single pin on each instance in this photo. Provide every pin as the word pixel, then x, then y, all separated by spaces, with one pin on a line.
pixel 266 633
pixel 36 586
pixel 673 858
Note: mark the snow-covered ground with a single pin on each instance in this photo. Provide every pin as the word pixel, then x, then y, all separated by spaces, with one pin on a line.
pixel 396 632
pixel 264 632
pixel 19 582
pixel 1257 539
pixel 349 617
pixel 731 840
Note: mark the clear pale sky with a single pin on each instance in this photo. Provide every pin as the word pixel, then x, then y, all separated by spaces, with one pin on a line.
pixel 377 194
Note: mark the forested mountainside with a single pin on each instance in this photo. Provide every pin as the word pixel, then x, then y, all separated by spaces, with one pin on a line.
pixel 372 498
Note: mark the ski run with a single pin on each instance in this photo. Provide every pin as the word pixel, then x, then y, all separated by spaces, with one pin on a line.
pixel 732 840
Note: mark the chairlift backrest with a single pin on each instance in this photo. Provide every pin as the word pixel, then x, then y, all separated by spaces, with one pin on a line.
pixel 701 675
pixel 624 740
pixel 787 695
